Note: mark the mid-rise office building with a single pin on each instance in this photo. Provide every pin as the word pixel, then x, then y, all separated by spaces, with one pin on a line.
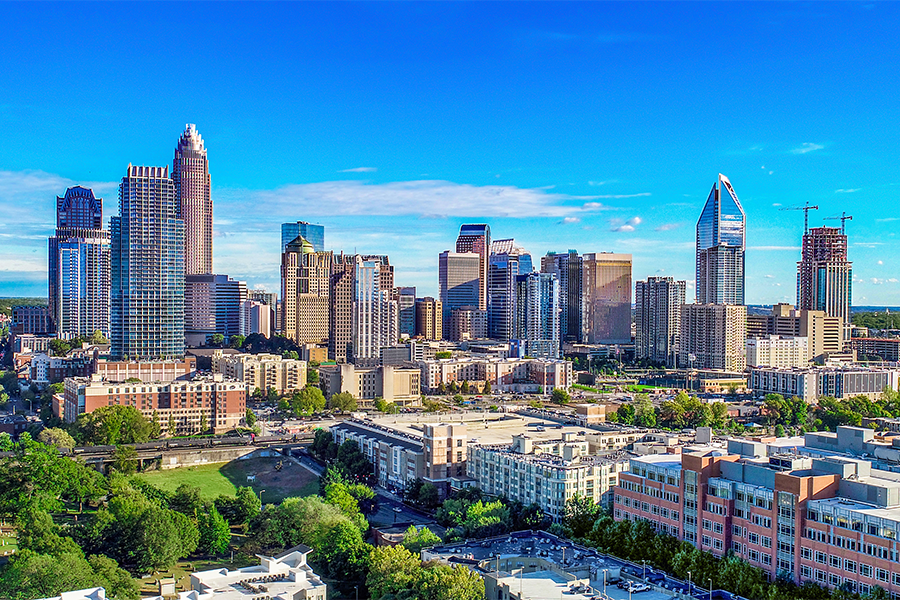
pixel 305 291
pixel 607 298
pixel 79 263
pixel 777 351
pixel 537 314
pixel 467 323
pixel 886 349
pixel 569 270
pixel 399 384
pixel 459 283
pixel 31 320
pixel 812 383
pixel 147 267
pixel 477 239
pixel 190 173
pixel 818 514
pixel 823 333
pixel 721 244
pixel 825 276
pixel 657 319
pixel 262 371
pixel 181 407
pixel 546 473
pixel 212 305
pixel 314 234
pixel 504 374
pixel 713 336
pixel 429 318
pixel 256 317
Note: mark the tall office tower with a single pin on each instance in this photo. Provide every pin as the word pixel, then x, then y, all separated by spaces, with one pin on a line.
pixel 79 266
pixel 507 261
pixel 305 283
pixel 340 308
pixel 256 317
pixel 607 298
pixel 657 319
pixel 568 268
pixel 374 315
pixel 147 267
pixel 713 336
pixel 269 298
pixel 537 314
pixel 406 305
pixel 477 239
pixel 212 305
pixel 314 234
pixel 385 270
pixel 429 318
pixel 190 172
pixel 721 242
pixel 459 283
pixel 824 275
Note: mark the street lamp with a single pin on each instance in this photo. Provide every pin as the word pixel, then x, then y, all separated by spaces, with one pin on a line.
pixel 710 589
pixel 260 495
pixel 356 587
pixel 690 585
pixel 644 576
pixel 604 581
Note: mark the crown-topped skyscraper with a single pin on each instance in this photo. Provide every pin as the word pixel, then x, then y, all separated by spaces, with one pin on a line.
pixel 721 242
pixel 190 172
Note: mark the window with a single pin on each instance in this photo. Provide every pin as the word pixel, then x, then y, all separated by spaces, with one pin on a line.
pixel 865 570
pixel 765 541
pixel 707 541
pixel 805 572
pixel 805 553
pixel 834 561
pixel 737 531
pixel 753 538
pixel 821 558
pixel 718 528
pixel 820 576
pixel 707 524
pixel 834 579
pixel 881 575
pixel 850 566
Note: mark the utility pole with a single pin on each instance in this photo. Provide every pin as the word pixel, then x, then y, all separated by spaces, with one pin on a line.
pixel 805 210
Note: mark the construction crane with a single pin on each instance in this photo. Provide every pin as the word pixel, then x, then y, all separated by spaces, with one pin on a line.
pixel 805 210
pixel 844 217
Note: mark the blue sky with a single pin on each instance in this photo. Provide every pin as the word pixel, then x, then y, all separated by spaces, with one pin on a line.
pixel 599 127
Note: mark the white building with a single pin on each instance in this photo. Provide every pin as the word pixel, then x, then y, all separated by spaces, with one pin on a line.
pixel 504 374
pixel 778 351
pixel 263 371
pixel 813 383
pixel 256 317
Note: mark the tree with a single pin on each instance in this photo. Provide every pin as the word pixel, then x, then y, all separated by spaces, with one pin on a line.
pixel 236 341
pixel 718 415
pixel 214 532
pixel 428 495
pixel 353 460
pixel 559 396
pixel 97 338
pixel 779 430
pixel 312 376
pixel 487 388
pixel 216 340
pixel 57 437
pixel 625 414
pixel 416 539
pixel 171 430
pixel 307 401
pixel 392 569
pixel 187 500
pixel 342 402
pixel 644 411
pixel 453 388
pixel 581 512
pixel 382 405
pixel 443 354
pixel 459 400
pixel 441 389
pixel 32 575
pixel 59 347
pixel 464 388
pixel 113 425
pixel 204 425
pixel 125 460
pixel 241 508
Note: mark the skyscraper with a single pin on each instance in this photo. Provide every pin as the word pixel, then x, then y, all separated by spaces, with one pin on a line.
pixel 212 305
pixel 569 270
pixel 477 239
pixel 713 336
pixel 375 319
pixel 537 314
pixel 79 266
pixel 406 305
pixel 657 319
pixel 824 275
pixel 305 291
pixel 147 267
pixel 607 298
pixel 507 262
pixel 314 234
pixel 721 242
pixel 190 173
pixel 429 318
pixel 459 283
pixel 340 306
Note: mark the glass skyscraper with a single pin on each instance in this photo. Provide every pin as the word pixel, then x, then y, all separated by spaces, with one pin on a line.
pixel 314 234
pixel 507 262
pixel 477 238
pixel 721 243
pixel 147 268
pixel 537 314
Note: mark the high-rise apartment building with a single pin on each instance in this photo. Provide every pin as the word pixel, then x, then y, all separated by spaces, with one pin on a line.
pixel 507 262
pixel 147 267
pixel 314 234
pixel 824 275
pixel 477 239
pixel 79 263
pixel 721 242
pixel 429 318
pixel 607 298
pixel 537 314
pixel 713 336
pixel 823 333
pixel 212 305
pixel 459 283
pixel 406 308
pixel 256 317
pixel 657 319
pixel 568 268
pixel 190 173
pixel 305 291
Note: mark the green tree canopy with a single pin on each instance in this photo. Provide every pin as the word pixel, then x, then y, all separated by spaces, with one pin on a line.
pixel 57 437
pixel 560 396
pixel 307 401
pixel 113 425
pixel 214 532
pixel 342 402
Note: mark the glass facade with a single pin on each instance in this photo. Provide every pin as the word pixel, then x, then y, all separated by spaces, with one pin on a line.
pixel 315 234
pixel 721 243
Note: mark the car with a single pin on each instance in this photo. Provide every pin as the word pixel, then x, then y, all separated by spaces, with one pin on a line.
pixel 635 588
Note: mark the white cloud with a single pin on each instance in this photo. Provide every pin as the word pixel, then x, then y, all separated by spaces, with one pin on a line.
pixel 877 281
pixel 623 228
pixel 880 262
pixel 776 204
pixel 807 147
pixel 620 196
pixel 595 183
pixel 668 226
pixel 887 219
pixel 893 280
pixel 770 277
pixel 568 220
pixel 359 170
pixel 847 191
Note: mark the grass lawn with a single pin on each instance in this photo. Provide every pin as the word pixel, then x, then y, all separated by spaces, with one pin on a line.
pixel 224 478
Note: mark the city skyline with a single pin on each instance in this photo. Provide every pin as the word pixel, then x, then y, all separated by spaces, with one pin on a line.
pixel 622 179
